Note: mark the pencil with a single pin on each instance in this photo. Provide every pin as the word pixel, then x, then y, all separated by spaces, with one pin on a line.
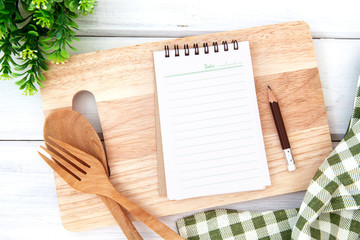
pixel 280 127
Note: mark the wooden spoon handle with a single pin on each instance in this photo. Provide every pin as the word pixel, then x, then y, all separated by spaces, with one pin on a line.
pixel 122 219
pixel 156 225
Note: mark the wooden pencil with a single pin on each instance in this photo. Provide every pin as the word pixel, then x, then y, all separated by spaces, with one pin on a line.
pixel 280 127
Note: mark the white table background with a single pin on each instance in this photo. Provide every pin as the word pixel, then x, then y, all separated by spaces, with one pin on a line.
pixel 28 203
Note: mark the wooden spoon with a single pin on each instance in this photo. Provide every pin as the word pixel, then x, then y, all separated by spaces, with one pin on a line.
pixel 73 128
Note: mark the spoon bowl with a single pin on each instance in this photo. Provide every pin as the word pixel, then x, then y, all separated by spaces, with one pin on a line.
pixel 74 129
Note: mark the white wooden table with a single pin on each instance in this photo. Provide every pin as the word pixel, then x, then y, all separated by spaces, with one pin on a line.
pixel 28 203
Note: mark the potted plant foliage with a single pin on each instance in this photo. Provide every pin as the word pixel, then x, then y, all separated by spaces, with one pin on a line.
pixel 34 31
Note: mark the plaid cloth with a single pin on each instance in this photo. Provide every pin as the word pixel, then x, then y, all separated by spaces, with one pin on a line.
pixel 330 209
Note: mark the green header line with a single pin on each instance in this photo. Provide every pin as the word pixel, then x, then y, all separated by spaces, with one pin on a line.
pixel 208 70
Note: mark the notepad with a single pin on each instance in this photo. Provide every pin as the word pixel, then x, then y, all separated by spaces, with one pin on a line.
pixel 210 127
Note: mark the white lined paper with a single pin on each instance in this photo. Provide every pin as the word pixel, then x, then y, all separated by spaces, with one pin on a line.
pixel 210 125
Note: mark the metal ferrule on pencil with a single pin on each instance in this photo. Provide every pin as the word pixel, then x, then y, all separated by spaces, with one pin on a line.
pixel 290 160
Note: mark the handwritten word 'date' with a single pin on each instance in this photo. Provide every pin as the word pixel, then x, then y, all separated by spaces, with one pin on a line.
pixel 209 66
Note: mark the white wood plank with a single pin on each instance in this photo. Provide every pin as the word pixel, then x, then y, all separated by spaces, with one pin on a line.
pixel 22 117
pixel 327 19
pixel 338 62
pixel 29 207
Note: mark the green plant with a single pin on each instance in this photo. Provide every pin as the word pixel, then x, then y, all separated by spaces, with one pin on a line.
pixel 34 31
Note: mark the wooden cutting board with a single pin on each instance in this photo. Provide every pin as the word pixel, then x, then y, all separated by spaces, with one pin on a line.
pixel 122 81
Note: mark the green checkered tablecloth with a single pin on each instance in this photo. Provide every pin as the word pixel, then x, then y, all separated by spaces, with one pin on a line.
pixel 330 209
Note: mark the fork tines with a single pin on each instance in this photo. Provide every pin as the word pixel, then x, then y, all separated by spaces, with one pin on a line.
pixel 64 160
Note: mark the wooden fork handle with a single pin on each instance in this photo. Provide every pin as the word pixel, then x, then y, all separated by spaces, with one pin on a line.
pixel 156 225
pixel 121 218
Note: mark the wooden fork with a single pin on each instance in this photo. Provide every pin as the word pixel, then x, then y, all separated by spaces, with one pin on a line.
pixel 85 173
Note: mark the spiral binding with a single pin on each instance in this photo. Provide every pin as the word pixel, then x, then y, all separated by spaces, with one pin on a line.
pixel 197 50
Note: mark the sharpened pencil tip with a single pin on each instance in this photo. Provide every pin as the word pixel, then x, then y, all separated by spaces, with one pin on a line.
pixel 271 95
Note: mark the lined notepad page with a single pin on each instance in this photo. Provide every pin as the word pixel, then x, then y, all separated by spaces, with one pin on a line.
pixel 211 134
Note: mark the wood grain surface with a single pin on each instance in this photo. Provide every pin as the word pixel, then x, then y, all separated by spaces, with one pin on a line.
pixel 73 128
pixel 122 81
pixel 87 174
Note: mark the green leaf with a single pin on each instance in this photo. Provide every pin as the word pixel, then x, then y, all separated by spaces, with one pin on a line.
pixel 20 68
pixel 13 62
pixel 32 78
pixel 39 82
pixel 60 19
pixel 73 6
pixel 47 48
pixel 33 26
pixel 14 74
pixel 74 49
pixel 64 53
pixel 68 40
pixel 33 88
pixel 66 3
pixel 15 39
pixel 44 67
pixel 41 58
pixel 57 45
pixel 73 15
pixel 21 82
pixel 16 48
pixel 59 35
pixel 2 5
pixel 4 11
pixel 52 57
pixel 22 86
pixel 46 39
pixel 71 32
pixel 40 76
pixel 33 33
